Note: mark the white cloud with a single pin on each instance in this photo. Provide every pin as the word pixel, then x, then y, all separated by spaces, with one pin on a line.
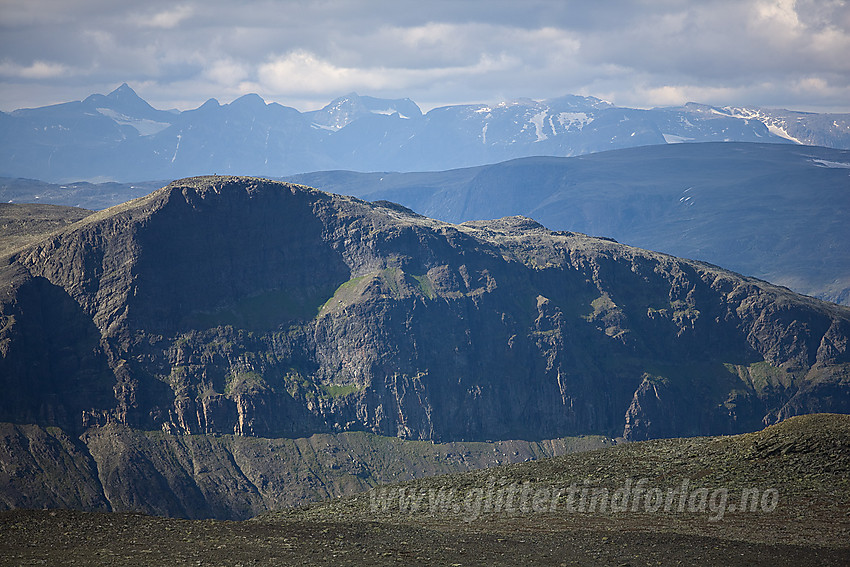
pixel 779 13
pixel 36 70
pixel 167 19
pixel 303 71
pixel 300 72
pixel 227 71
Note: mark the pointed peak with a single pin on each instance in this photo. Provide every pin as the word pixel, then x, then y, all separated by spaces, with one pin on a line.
pixel 123 92
pixel 124 100
pixel 127 96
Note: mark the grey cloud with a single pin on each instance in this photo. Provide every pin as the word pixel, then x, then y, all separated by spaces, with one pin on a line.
pixel 640 53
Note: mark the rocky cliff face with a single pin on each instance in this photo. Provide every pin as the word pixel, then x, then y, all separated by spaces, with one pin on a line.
pixel 235 305
pixel 116 468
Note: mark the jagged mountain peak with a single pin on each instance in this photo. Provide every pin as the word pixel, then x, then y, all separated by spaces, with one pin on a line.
pixel 123 98
pixel 124 107
pixel 123 91
pixel 73 141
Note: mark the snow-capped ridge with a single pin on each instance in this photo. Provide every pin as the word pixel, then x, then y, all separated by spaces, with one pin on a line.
pixel 123 137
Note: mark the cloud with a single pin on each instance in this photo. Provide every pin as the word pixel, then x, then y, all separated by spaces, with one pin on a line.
pixel 635 52
pixel 303 72
pixel 168 19
pixel 300 72
pixel 227 72
pixel 36 70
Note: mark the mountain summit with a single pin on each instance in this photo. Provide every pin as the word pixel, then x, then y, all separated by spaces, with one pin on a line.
pixel 247 306
pixel 345 110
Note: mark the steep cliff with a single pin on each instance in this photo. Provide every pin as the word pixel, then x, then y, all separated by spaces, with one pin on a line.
pixel 228 476
pixel 243 306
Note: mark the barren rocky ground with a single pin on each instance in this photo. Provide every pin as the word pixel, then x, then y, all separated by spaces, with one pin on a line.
pixel 77 538
pixel 806 460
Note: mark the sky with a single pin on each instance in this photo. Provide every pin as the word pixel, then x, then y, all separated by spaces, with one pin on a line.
pixel 303 54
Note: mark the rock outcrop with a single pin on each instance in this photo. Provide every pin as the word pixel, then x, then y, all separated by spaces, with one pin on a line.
pixel 225 305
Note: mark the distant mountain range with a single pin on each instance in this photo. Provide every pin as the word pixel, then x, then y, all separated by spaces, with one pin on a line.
pixel 121 137
pixel 774 211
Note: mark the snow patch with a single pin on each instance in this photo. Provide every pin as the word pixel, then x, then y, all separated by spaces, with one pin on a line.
pixel 777 130
pixel 831 164
pixel 537 120
pixel 174 157
pixel 390 112
pixel 574 119
pixel 774 125
pixel 143 126
pixel 674 139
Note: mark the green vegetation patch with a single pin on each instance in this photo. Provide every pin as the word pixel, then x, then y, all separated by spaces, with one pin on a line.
pixel 762 375
pixel 600 306
pixel 344 294
pixel 390 277
pixel 244 383
pixel 333 391
pixel 683 310
pixel 424 285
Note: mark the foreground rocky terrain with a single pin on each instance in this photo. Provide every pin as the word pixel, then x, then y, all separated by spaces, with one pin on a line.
pixel 805 460
pixel 116 468
pixel 160 350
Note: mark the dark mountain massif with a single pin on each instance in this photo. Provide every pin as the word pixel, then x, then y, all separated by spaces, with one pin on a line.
pixel 240 306
pixel 120 137
pixel 775 212
pixel 237 305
